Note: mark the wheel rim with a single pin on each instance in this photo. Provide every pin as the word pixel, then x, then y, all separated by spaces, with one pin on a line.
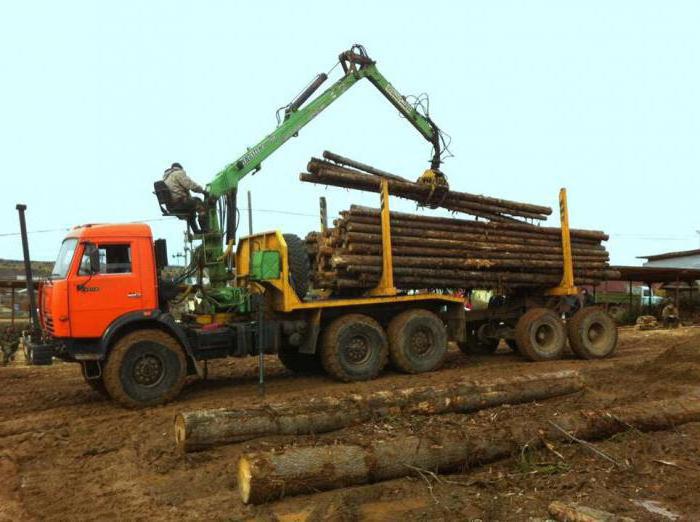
pixel 545 338
pixel 422 342
pixel 148 370
pixel 596 337
pixel 357 350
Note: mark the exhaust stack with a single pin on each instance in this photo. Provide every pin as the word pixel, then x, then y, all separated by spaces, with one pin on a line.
pixel 28 267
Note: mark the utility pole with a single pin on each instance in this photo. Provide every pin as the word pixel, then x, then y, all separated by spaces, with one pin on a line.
pixel 180 255
pixel 187 248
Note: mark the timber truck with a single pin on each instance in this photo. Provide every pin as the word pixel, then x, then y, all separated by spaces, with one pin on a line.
pixel 107 308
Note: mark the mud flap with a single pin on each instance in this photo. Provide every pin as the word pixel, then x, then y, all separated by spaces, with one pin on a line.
pixel 309 345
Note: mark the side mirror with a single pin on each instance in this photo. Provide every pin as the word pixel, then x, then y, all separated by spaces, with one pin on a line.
pixel 93 254
pixel 161 251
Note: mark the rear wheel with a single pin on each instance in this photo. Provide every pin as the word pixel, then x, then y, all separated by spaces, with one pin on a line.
pixel 145 368
pixel 299 265
pixel 592 334
pixel 417 341
pixel 354 348
pixel 540 335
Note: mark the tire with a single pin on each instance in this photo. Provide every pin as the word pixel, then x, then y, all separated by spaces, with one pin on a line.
pixel 96 384
pixel 540 335
pixel 301 363
pixel 145 368
pixel 354 348
pixel 417 341
pixel 299 265
pixel 475 344
pixel 592 334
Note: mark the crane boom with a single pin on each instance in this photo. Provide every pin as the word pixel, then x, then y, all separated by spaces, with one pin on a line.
pixel 356 65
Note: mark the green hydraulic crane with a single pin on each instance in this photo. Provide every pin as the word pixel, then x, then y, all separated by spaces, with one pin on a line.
pixel 356 65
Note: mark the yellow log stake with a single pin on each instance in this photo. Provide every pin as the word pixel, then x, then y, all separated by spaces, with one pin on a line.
pixel 386 281
pixel 566 287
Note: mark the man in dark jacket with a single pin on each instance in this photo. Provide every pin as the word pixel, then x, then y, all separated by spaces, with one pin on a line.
pixel 180 184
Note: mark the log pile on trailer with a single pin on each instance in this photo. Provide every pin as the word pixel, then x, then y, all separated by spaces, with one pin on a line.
pixel 437 252
pixel 501 251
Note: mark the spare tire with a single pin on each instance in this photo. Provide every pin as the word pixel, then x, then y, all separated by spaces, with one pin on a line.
pixel 299 266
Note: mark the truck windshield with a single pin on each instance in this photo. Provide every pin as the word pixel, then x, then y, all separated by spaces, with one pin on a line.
pixel 65 256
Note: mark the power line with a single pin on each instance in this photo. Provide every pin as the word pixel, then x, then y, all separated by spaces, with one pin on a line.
pixel 652 237
pixel 67 228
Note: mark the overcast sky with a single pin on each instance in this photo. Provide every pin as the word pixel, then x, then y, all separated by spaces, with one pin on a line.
pixel 97 98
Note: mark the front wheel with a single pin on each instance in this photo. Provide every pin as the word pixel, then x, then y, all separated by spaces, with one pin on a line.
pixel 145 368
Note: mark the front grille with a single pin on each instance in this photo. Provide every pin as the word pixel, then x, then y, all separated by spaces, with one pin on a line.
pixel 48 322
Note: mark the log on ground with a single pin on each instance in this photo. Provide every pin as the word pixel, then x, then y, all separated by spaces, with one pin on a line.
pixel 268 475
pixel 205 428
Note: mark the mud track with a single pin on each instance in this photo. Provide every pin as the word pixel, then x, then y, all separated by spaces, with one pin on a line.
pixel 68 454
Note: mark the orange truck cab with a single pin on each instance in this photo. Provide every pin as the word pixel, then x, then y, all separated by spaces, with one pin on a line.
pixel 104 289
pixel 81 305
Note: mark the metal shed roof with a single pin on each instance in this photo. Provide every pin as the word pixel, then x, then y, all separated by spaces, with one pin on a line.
pixel 670 255
pixel 657 274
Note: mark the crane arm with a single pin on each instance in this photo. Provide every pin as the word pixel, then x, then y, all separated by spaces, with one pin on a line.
pixel 356 65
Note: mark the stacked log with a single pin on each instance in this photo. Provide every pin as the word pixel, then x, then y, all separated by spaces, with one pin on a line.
pixel 494 209
pixel 438 252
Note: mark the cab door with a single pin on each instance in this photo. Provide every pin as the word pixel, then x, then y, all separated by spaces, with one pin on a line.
pixel 96 299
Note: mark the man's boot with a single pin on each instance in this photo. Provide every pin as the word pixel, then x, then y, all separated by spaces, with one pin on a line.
pixel 203 222
pixel 192 222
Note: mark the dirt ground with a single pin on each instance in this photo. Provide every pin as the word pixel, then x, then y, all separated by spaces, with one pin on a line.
pixel 68 454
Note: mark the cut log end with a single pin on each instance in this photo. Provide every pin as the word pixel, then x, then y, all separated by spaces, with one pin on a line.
pixel 180 432
pixel 244 478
